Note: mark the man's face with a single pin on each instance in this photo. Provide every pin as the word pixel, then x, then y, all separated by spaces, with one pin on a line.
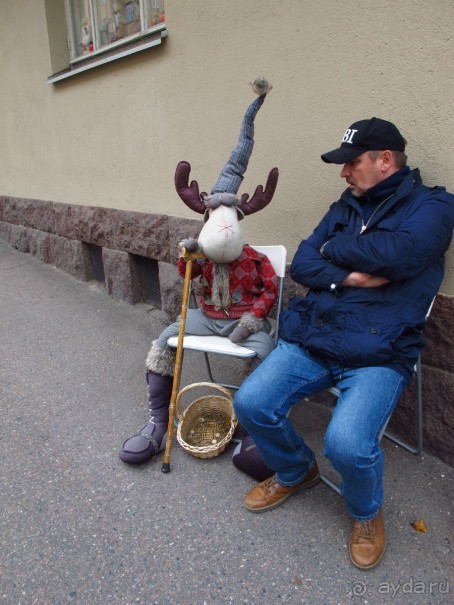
pixel 363 173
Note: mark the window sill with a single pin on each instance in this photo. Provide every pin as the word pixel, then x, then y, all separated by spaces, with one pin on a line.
pixel 114 55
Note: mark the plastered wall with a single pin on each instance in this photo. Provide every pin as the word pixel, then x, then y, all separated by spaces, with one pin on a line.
pixel 112 137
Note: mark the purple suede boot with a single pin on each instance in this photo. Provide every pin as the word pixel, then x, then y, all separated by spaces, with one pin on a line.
pixel 247 458
pixel 152 438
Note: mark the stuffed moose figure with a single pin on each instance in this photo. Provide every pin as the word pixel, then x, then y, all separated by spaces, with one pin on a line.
pixel 239 284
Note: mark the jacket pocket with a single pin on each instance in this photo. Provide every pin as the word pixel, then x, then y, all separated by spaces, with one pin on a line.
pixel 293 320
pixel 369 341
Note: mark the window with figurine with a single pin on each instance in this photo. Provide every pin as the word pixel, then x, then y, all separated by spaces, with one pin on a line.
pixel 96 26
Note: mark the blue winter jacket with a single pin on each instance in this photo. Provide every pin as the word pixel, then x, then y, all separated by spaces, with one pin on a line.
pixel 404 241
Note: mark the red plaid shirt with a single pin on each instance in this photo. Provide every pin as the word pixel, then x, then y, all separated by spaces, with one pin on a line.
pixel 253 285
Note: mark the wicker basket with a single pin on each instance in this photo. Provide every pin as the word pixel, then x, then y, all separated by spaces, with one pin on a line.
pixel 206 426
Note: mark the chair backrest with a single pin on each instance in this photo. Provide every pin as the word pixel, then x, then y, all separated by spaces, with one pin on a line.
pixel 278 258
pixel 277 255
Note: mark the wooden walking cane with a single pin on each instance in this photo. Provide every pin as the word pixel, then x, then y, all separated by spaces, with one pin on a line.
pixel 189 257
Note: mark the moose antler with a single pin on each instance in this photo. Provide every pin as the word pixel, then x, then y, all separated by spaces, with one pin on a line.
pixel 261 198
pixel 194 199
pixel 188 193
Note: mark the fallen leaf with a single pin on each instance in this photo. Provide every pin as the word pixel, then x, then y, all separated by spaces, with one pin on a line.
pixel 419 525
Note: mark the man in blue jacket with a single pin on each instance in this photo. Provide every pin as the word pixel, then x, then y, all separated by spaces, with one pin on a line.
pixel 372 266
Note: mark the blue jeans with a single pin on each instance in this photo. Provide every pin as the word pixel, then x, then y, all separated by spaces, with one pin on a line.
pixel 367 399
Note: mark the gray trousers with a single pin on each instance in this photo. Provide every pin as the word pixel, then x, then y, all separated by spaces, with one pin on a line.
pixel 198 324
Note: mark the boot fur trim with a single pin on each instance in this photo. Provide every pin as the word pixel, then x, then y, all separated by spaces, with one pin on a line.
pixel 160 361
pixel 251 322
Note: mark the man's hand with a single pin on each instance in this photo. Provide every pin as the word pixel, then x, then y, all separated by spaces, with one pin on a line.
pixel 363 280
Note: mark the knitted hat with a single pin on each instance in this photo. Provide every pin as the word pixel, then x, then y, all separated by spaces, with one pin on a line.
pixel 232 174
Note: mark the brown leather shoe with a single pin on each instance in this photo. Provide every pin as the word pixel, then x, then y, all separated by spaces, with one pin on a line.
pixel 368 542
pixel 269 493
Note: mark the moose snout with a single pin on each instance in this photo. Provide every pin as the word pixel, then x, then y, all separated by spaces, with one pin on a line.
pixel 221 239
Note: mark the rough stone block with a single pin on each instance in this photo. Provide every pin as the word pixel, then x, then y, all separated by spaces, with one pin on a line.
pixel 69 255
pixel 171 285
pixel 40 245
pixel 180 229
pixel 121 279
pixel 16 235
pixel 438 413
pixel 439 334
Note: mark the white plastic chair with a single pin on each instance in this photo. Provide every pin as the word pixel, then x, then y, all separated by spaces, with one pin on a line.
pixel 221 345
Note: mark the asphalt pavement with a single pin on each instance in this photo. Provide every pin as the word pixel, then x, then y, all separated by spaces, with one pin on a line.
pixel 78 526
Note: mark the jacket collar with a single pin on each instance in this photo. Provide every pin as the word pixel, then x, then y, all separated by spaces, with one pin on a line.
pixel 387 187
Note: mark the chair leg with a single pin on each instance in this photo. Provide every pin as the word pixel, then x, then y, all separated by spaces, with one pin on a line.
pixel 232 387
pixel 330 484
pixel 207 363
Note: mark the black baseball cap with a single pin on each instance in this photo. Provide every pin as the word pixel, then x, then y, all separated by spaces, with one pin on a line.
pixel 366 135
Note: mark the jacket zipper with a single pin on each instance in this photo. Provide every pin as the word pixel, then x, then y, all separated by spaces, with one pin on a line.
pixel 364 226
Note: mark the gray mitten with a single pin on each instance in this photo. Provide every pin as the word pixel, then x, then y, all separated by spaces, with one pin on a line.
pixel 191 245
pixel 248 324
pixel 239 334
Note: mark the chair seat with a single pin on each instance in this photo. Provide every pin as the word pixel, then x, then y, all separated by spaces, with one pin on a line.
pixel 212 344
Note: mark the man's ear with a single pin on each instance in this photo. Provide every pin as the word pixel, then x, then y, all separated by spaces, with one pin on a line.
pixel 387 160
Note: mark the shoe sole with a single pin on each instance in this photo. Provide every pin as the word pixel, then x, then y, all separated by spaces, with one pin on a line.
pixel 314 481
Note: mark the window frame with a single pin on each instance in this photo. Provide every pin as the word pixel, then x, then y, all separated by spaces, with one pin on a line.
pixel 146 38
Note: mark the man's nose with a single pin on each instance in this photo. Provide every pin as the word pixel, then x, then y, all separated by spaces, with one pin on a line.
pixel 344 172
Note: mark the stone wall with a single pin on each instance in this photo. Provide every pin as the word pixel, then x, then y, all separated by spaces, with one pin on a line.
pixel 134 255
pixel 102 244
